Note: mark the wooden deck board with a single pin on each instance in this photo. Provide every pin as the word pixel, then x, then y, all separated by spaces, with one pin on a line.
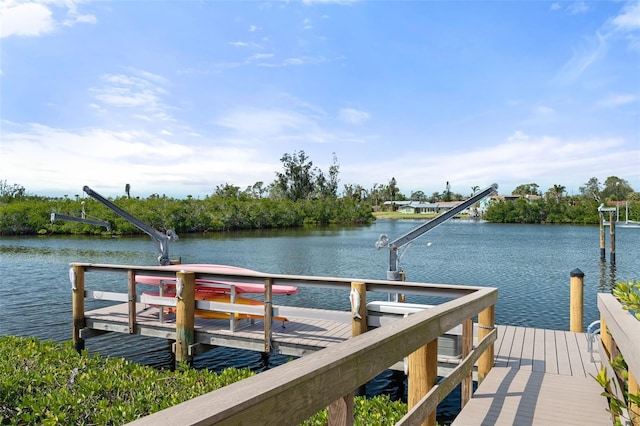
pixel 562 353
pixel 515 355
pixel 502 353
pixel 510 396
pixel 551 383
pixel 538 363
pixel 528 344
pixel 550 360
pixel 575 360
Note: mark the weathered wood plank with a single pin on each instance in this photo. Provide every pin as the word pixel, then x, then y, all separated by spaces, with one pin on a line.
pixel 538 363
pixel 508 396
pixel 575 358
pixel 528 343
pixel 551 361
pixel 515 355
pixel 562 354
pixel 502 354
pixel 624 328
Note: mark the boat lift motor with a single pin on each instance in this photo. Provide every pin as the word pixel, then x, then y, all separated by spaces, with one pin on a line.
pixel 394 272
pixel 161 240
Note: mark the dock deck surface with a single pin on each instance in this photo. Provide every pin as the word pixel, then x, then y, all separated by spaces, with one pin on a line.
pixel 540 377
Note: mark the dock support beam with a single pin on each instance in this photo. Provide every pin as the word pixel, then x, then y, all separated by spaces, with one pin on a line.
pixel 634 409
pixel 341 411
pixel 76 276
pixel 486 324
pixel 268 316
pixel 423 375
pixel 467 346
pixel 185 307
pixel 576 307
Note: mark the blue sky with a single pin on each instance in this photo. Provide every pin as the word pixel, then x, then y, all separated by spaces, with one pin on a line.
pixel 177 98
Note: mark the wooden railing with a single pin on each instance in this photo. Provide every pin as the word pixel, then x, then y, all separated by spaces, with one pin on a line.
pixel 291 393
pixel 620 334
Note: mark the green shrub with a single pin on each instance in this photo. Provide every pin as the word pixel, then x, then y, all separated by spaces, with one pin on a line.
pixel 378 411
pixel 48 383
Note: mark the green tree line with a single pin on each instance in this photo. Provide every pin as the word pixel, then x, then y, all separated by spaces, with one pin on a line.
pixel 556 206
pixel 301 194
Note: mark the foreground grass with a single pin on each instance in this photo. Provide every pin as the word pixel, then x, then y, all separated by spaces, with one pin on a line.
pixel 48 383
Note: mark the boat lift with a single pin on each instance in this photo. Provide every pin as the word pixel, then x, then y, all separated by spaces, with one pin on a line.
pixel 394 272
pixel 81 219
pixel 160 239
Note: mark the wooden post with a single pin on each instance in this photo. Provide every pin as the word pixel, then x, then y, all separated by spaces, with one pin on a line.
pixel 607 342
pixel 423 375
pixel 634 409
pixel 76 276
pixel 132 300
pixel 467 345
pixel 612 238
pixel 268 314
pixel 576 304
pixel 359 318
pixel 486 324
pixel 341 411
pixel 185 307
pixel 602 250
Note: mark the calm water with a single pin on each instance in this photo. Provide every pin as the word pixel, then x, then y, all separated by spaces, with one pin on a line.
pixel 529 264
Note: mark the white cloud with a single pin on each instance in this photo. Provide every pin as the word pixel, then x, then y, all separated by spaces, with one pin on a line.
pixel 615 100
pixel 629 19
pixel 583 58
pixel 555 6
pixel 25 19
pixel 543 110
pixel 107 160
pixel 577 7
pixel 30 18
pixel 244 44
pixel 353 116
pixel 265 123
pixel 139 90
pixel 520 158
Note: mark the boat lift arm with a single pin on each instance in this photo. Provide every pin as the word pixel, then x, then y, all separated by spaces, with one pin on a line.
pixel 58 216
pixel 161 240
pixel 393 274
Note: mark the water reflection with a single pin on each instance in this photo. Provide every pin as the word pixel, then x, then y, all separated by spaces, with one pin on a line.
pixel 607 277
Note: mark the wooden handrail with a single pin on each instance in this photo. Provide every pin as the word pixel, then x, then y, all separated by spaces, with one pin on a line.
pixel 622 331
pixel 292 392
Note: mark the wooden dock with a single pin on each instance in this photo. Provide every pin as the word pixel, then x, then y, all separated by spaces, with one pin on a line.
pixel 296 338
pixel 540 377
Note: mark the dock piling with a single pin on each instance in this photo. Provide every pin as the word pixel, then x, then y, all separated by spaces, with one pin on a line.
pixel 486 324
pixel 576 304
pixel 76 275
pixel 612 238
pixel 602 249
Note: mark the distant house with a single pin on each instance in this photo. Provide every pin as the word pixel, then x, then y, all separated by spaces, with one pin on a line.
pixel 415 207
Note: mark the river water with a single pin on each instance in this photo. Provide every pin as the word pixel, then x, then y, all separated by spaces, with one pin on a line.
pixel 529 264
